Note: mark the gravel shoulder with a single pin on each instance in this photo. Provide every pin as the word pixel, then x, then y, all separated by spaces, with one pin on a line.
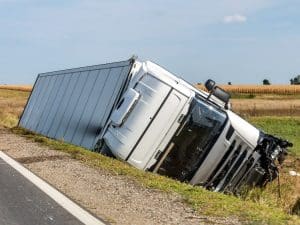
pixel 116 199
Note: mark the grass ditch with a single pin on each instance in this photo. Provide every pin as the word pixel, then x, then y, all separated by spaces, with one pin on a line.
pixel 248 210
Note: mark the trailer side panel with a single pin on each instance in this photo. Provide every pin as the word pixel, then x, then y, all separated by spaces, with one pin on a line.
pixel 74 105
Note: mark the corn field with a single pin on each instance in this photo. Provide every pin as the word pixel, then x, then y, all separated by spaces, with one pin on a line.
pixel 260 89
pixel 16 87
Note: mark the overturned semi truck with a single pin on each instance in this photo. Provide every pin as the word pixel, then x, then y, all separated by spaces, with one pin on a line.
pixel 141 113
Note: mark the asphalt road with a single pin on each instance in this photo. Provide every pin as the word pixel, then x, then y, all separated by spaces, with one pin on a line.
pixel 22 203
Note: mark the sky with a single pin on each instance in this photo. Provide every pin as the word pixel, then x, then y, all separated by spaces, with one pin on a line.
pixel 242 42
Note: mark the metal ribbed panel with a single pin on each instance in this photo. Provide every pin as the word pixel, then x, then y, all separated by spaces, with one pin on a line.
pixel 74 105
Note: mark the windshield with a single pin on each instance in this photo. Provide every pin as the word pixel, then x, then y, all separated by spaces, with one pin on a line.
pixel 199 132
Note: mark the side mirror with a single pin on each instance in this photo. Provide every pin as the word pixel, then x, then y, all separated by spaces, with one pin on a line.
pixel 210 84
pixel 217 92
pixel 221 94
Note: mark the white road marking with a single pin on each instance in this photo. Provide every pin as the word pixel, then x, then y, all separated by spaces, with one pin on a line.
pixel 74 209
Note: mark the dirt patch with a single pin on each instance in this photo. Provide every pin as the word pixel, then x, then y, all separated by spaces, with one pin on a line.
pixel 266 107
pixel 116 199
pixel 35 159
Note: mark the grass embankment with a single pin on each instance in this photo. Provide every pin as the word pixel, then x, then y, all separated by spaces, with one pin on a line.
pixel 251 210
pixel 288 128
pixel 258 207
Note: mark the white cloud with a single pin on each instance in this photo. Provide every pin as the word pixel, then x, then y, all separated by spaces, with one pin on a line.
pixel 236 18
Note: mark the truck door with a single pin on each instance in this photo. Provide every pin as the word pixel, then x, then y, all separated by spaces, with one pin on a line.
pixel 142 115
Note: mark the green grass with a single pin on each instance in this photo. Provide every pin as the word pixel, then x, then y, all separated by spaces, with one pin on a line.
pixel 205 202
pixel 285 127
